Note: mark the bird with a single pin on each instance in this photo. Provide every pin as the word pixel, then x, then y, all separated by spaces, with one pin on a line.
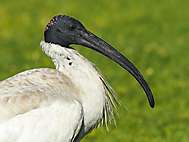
pixel 65 103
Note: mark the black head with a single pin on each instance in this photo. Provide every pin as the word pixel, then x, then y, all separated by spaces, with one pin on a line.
pixel 65 30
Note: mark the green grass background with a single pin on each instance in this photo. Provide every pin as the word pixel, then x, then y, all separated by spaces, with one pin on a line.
pixel 154 34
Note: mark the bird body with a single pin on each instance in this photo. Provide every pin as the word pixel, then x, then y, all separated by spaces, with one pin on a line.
pixel 62 104
pixel 39 97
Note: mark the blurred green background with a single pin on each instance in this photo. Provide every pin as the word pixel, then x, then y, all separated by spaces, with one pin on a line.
pixel 153 34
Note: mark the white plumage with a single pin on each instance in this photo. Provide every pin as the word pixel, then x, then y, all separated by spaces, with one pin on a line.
pixel 62 104
pixel 48 105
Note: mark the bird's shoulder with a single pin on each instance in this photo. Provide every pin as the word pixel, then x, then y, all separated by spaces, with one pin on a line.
pixel 35 75
pixel 32 89
pixel 34 80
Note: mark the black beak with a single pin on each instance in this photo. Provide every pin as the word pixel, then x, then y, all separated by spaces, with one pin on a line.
pixel 92 41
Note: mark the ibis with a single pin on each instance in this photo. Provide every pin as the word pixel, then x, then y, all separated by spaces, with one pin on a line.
pixel 66 103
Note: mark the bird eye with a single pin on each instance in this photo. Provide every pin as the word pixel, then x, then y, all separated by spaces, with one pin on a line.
pixel 72 27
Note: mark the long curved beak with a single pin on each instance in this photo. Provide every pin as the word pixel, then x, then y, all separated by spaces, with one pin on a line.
pixel 92 41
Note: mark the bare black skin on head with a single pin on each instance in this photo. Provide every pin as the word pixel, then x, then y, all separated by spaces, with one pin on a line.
pixel 65 30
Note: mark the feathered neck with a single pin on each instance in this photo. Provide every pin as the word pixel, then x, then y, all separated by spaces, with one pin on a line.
pixel 86 76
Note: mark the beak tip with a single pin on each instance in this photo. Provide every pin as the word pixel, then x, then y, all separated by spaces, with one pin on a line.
pixel 152 102
pixel 152 105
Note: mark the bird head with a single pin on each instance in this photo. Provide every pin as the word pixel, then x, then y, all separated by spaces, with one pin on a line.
pixel 65 31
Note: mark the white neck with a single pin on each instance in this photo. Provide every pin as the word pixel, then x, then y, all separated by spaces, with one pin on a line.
pixel 84 75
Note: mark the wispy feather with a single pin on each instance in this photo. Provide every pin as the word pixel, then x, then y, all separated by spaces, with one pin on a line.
pixel 110 109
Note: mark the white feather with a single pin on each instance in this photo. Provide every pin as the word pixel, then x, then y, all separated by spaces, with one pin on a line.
pixel 48 105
